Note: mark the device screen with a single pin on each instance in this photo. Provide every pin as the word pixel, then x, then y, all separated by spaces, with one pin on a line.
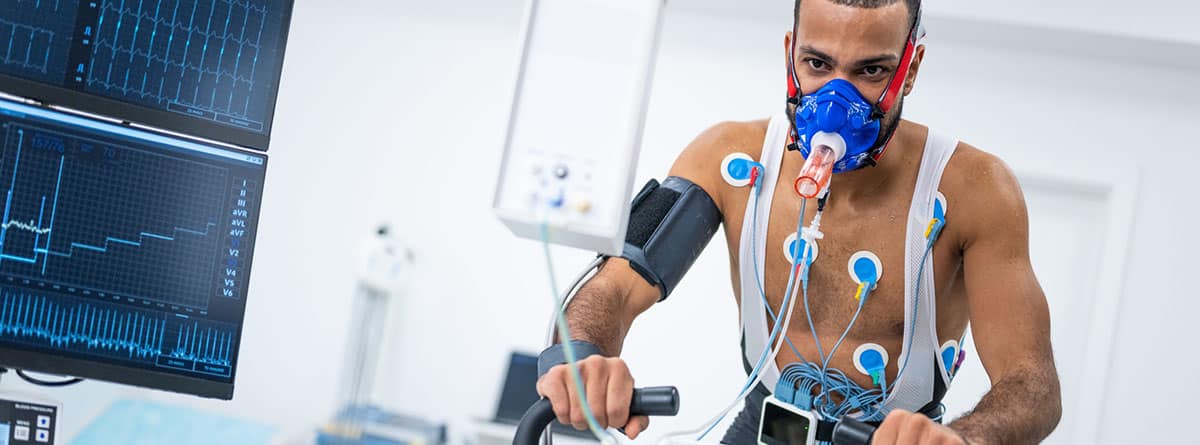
pixel 783 427
pixel 208 68
pixel 123 250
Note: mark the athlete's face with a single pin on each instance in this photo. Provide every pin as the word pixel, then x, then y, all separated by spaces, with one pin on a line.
pixel 861 45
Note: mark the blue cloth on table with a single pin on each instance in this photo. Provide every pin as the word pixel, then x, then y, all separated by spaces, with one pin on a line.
pixel 141 422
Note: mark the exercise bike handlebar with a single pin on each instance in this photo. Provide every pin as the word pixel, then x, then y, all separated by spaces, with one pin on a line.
pixel 664 401
pixel 852 432
pixel 657 401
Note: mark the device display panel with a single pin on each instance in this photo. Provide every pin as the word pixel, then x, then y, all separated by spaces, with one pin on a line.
pixel 124 254
pixel 208 68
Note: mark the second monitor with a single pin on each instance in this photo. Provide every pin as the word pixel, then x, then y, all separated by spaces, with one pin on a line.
pixel 208 68
pixel 124 254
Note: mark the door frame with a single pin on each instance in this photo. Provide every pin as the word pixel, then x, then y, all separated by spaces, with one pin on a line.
pixel 1117 190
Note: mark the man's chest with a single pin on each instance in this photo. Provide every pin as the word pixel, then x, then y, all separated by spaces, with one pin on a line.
pixel 876 232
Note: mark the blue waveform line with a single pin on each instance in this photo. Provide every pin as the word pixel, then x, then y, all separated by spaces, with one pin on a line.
pixel 37 4
pixel 204 345
pixel 33 31
pixel 123 85
pixel 108 242
pixel 110 331
pixel 208 34
pixel 49 230
pixel 62 160
pixel 156 58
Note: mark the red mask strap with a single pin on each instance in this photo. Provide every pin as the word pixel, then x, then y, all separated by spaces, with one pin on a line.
pixel 897 86
pixel 793 89
pixel 893 92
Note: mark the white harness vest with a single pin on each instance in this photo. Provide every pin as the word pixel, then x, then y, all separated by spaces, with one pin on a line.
pixel 915 387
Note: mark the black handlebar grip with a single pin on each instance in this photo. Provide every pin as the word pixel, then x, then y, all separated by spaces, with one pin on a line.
pixel 657 401
pixel 535 420
pixel 852 432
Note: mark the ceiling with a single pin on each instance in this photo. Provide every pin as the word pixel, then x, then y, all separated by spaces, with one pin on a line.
pixel 1173 21
pixel 1160 32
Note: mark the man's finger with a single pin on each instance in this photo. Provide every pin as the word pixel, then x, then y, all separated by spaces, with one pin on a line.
pixel 554 389
pixel 597 391
pixel 636 425
pixel 620 395
pixel 913 429
pixel 889 430
pixel 576 418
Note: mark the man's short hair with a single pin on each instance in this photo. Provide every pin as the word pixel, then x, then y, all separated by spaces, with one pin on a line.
pixel 914 6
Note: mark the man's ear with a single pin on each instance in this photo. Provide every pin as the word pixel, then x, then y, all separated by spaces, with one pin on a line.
pixel 787 46
pixel 914 68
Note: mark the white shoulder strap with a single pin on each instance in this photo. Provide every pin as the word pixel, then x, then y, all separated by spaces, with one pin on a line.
pixel 914 386
pixel 754 316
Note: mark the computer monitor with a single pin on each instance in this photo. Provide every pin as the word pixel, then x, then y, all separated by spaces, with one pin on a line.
pixel 519 392
pixel 207 68
pixel 124 253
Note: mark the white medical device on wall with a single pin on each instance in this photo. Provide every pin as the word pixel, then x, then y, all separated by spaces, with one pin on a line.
pixel 578 110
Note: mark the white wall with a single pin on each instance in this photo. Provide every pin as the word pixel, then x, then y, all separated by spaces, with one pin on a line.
pixel 394 111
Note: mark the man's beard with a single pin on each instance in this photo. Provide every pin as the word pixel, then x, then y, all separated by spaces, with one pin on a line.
pixel 888 127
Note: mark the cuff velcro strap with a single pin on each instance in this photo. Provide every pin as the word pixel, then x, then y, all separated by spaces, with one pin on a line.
pixel 669 225
pixel 554 356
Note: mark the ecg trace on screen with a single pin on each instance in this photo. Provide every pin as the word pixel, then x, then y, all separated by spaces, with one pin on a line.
pixel 20 50
pixel 196 57
pixel 114 221
pixel 34 38
pixel 110 331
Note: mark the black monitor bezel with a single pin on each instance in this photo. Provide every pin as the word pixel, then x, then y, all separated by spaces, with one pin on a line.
pixel 50 363
pixel 92 370
pixel 55 95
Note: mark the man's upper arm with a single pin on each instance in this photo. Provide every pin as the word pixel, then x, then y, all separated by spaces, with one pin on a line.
pixel 1009 316
pixel 698 163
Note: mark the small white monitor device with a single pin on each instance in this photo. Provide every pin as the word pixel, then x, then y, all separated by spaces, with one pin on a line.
pixel 28 419
pixel 783 423
pixel 570 154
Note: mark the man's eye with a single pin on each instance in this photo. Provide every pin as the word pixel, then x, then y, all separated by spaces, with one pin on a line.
pixel 874 70
pixel 817 64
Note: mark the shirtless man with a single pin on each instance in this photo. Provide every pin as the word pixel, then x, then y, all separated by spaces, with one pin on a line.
pixel 980 270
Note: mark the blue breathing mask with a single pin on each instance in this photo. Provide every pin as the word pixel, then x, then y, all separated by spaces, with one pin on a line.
pixel 839 117
pixel 839 111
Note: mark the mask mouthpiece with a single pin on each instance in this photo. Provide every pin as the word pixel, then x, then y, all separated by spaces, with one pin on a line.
pixel 827 150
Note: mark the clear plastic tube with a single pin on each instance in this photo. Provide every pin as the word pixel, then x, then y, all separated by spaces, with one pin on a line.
pixel 774 345
pixel 675 438
pixel 567 296
pixel 817 171
pixel 601 434
pixel 827 150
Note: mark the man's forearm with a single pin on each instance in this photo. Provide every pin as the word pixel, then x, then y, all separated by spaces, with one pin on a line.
pixel 598 314
pixel 1023 407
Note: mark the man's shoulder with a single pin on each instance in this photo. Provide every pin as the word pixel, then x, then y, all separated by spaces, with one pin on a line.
pixel 752 131
pixel 700 162
pixel 712 145
pixel 983 187
pixel 978 172
pixel 721 139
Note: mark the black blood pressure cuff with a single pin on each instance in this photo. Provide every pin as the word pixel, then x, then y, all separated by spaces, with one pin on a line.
pixel 669 225
pixel 554 355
